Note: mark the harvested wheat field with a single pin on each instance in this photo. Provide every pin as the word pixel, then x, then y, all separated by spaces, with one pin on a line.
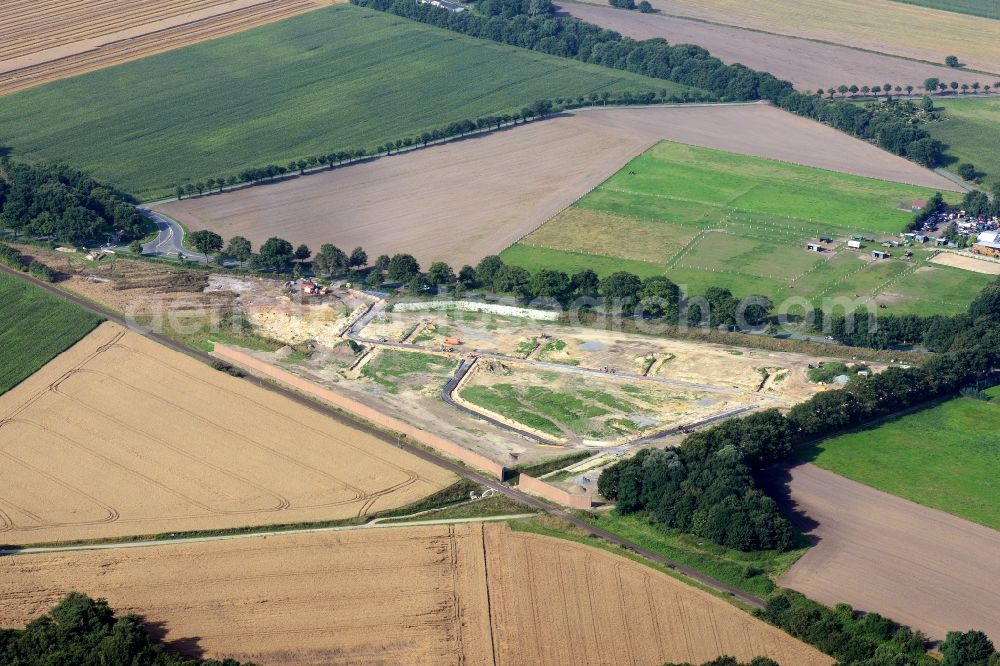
pixel 48 40
pixel 882 26
pixel 921 567
pixel 468 594
pixel 463 200
pixel 121 436
pixel 806 63
pixel 966 262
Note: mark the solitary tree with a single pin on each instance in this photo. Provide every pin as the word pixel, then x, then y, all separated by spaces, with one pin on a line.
pixel 585 283
pixel 239 249
pixel 548 283
pixel 403 267
pixel 440 273
pixel 382 262
pixel 842 89
pixel 487 270
pixel 909 90
pixel 135 247
pixel 206 242
pixel 210 184
pixel 358 257
pixel 200 186
pixel 853 89
pixel 951 61
pixel 830 92
pixel 954 85
pixel 467 276
pixel 179 192
pixel 275 254
pixel 302 252
pixel 331 259
pixel 965 88
pixel 966 171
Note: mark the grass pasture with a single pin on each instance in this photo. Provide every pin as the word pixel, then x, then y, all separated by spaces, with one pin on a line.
pixel 37 326
pixel 946 457
pixel 971 130
pixel 707 218
pixel 337 78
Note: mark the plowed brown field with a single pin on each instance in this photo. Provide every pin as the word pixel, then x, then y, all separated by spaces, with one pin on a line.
pixel 461 201
pixel 877 552
pixel 49 39
pixel 809 64
pixel 467 594
pixel 121 436
pixel 881 26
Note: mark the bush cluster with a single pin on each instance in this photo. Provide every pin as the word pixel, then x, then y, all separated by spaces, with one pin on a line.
pixel 12 258
pixel 55 200
pixel 84 632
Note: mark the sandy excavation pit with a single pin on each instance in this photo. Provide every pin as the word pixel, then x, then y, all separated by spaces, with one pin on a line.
pixel 121 436
pixel 586 409
pixel 470 594
pixel 714 366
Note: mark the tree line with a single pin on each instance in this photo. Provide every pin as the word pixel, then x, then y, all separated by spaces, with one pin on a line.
pixel 84 632
pixel 868 639
pixel 531 24
pixel 57 201
pixel 622 292
pixel 460 128
pixel 12 258
pixel 706 486
pixel 930 86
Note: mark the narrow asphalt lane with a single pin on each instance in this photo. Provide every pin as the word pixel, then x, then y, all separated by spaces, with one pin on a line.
pixel 170 240
pixel 421 453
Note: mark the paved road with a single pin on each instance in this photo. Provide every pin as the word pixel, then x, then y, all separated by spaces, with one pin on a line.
pixel 170 241
pixel 454 467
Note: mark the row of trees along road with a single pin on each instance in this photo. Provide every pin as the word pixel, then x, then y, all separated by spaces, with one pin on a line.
pixel 533 24
pixel 460 128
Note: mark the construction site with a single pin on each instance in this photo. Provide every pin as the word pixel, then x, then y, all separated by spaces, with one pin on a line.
pixel 512 386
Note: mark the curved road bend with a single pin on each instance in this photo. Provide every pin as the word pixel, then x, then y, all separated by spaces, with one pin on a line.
pixel 170 241
pixel 424 455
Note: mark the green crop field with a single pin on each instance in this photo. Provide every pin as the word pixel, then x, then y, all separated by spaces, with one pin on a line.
pixel 946 457
pixel 709 218
pixel 984 8
pixel 971 130
pixel 37 326
pixel 334 79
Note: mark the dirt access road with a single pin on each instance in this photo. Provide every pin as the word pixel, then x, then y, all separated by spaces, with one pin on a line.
pixel 470 593
pixel 808 64
pixel 919 566
pixel 463 200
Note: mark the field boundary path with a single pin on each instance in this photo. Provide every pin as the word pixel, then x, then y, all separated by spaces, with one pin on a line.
pixel 456 468
pixel 374 524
